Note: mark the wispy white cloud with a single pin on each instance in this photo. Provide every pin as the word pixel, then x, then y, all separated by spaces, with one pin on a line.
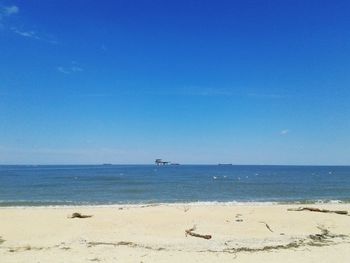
pixel 214 92
pixel 7 11
pixel 29 34
pixel 63 70
pixel 32 35
pixel 52 155
pixel 103 48
pixel 265 95
pixel 10 10
pixel 284 132
pixel 73 68
pixel 201 91
pixel 76 69
pixel 222 92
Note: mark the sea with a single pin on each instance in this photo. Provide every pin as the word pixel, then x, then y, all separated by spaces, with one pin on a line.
pixel 56 185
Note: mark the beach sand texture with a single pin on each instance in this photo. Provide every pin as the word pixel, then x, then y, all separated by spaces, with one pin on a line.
pixel 240 233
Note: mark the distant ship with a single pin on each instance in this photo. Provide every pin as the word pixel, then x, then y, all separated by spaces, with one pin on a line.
pixel 225 164
pixel 159 162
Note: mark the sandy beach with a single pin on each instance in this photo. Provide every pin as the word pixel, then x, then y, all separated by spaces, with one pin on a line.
pixel 239 233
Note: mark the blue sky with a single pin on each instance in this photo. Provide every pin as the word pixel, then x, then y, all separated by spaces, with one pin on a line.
pixel 244 82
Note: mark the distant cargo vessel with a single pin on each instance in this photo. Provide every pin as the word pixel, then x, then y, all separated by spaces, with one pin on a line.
pixel 161 162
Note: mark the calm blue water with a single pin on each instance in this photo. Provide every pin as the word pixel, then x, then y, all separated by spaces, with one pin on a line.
pixel 68 185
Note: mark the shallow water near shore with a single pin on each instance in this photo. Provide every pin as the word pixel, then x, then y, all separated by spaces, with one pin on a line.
pixel 145 184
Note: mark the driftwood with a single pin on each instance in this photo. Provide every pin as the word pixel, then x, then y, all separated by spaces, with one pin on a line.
pixel 238 216
pixel 312 209
pixel 267 226
pixel 191 233
pixel 125 243
pixel 325 238
pixel 78 215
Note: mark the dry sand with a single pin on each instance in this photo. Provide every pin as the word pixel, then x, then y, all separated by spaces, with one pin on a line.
pixel 249 233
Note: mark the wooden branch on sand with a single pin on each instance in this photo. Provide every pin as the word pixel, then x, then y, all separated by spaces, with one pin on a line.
pixel 267 226
pixel 191 233
pixel 312 209
pixel 78 215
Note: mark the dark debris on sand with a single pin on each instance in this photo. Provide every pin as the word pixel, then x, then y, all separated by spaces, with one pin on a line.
pixel 78 215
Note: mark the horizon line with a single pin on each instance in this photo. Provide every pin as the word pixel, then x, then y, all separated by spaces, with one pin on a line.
pixel 177 164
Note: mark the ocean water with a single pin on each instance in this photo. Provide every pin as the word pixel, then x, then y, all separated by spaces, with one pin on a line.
pixel 139 184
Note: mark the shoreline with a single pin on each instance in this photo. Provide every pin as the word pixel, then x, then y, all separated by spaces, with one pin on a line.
pixel 199 203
